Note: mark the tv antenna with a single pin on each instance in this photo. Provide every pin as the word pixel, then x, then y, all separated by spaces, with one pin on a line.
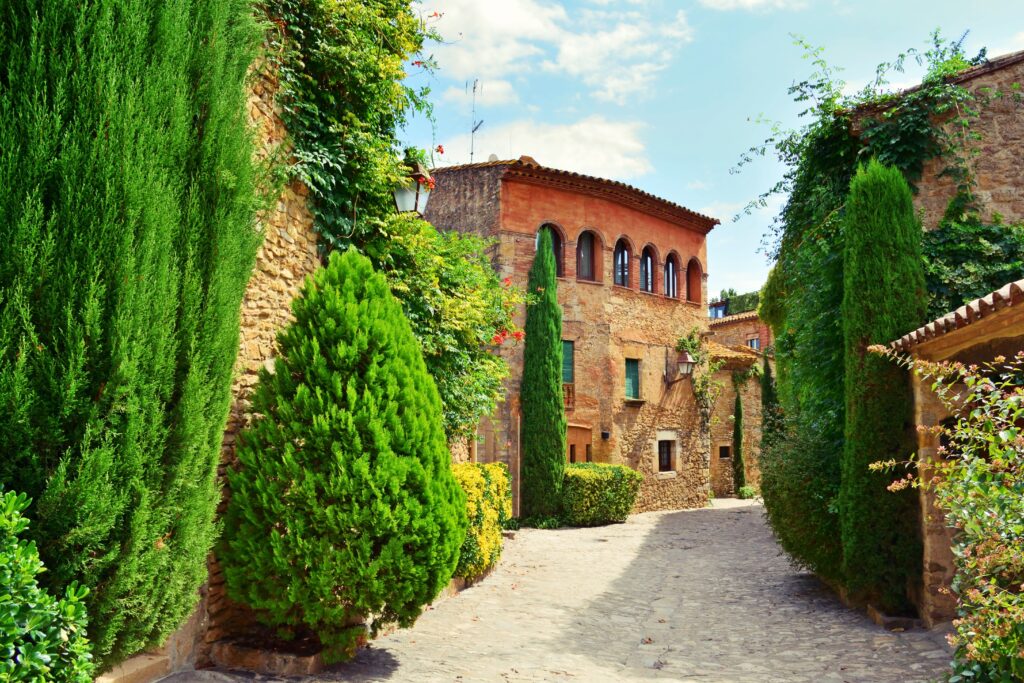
pixel 477 85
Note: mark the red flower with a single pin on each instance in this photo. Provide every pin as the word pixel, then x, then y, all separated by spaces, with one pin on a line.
pixel 507 282
pixel 440 149
pixel 519 335
pixel 497 339
pixel 418 62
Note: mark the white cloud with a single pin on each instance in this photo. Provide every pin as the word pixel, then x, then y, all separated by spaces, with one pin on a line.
pixel 1015 44
pixel 615 53
pixel 723 211
pixel 623 60
pixel 697 185
pixel 489 94
pixel 727 5
pixel 490 40
pixel 593 146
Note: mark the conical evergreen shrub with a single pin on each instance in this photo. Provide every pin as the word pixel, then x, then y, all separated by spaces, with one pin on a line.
pixel 884 298
pixel 542 442
pixel 127 203
pixel 344 508
pixel 739 467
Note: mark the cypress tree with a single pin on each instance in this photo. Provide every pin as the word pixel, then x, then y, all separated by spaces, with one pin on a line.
pixel 883 299
pixel 739 473
pixel 345 507
pixel 127 203
pixel 771 411
pixel 542 439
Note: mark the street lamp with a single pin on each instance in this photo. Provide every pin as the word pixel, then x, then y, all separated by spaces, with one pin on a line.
pixel 686 363
pixel 412 195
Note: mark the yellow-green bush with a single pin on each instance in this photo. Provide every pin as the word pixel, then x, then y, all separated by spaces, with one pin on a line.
pixel 488 506
pixel 595 494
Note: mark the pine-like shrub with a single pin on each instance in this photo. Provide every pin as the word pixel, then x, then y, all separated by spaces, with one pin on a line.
pixel 488 508
pixel 884 297
pixel 739 469
pixel 594 494
pixel 41 638
pixel 542 441
pixel 128 196
pixel 771 411
pixel 344 513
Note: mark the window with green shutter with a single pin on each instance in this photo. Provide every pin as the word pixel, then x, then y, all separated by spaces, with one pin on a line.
pixel 632 378
pixel 568 360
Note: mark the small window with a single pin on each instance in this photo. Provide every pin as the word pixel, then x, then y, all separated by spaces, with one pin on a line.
pixel 724 452
pixel 622 263
pixel 647 270
pixel 754 343
pixel 572 453
pixel 590 453
pixel 632 378
pixel 568 362
pixel 671 277
pixel 556 246
pixel 585 268
pixel 665 456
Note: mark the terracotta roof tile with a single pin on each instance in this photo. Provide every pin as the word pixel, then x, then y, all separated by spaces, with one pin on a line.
pixel 1008 295
pixel 526 167
pixel 743 354
pixel 746 315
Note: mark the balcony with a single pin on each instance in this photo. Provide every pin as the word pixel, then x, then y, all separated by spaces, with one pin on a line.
pixel 569 395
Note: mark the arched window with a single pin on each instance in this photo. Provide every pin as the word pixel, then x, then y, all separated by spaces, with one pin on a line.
pixel 556 245
pixel 647 261
pixel 672 277
pixel 694 280
pixel 586 257
pixel 622 263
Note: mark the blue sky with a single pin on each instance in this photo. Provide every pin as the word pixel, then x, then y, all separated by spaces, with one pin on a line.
pixel 664 95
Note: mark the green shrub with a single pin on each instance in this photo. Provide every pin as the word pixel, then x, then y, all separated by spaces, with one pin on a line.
pixel 594 494
pixel 344 509
pixel 979 485
pixel 488 507
pixel 128 196
pixel 739 467
pixel 884 297
pixel 747 492
pixel 41 638
pixel 542 443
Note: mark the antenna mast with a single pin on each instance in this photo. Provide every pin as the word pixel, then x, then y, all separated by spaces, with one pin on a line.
pixel 475 124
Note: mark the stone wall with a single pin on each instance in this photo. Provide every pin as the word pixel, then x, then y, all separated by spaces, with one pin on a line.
pixel 287 256
pixel 722 427
pixel 738 330
pixel 997 167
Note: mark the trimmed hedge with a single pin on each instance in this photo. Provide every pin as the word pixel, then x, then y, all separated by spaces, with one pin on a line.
pixel 41 638
pixel 594 494
pixel 489 507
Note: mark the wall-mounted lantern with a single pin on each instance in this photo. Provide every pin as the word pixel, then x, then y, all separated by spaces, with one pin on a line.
pixel 685 363
pixel 413 194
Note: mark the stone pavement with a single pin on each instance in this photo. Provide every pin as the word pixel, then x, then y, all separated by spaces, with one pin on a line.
pixel 700 595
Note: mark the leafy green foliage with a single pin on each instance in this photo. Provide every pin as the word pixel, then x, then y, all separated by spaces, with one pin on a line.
pixel 883 298
pixel 806 286
pixel 41 638
pixel 457 308
pixel 739 303
pixel 542 442
pixel 128 191
pixel 977 480
pixel 966 259
pixel 771 411
pixel 746 492
pixel 739 469
pixel 344 97
pixel 488 507
pixel 345 506
pixel 594 494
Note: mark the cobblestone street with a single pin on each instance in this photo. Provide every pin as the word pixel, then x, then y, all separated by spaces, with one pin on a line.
pixel 700 595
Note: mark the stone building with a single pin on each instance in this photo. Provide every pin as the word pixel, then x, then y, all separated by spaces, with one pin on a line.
pixel 631 281
pixel 734 375
pixel 974 333
pixel 995 162
pixel 742 329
